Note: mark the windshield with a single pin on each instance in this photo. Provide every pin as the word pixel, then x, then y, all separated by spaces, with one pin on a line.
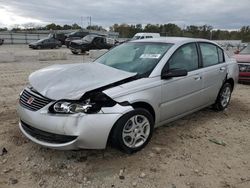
pixel 140 58
pixel 88 38
pixel 136 37
pixel 72 33
pixel 41 40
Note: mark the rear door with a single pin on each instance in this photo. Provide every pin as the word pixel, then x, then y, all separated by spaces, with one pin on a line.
pixel 214 70
pixel 182 94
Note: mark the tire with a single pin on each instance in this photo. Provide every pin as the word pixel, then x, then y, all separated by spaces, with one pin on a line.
pixel 73 52
pixel 137 123
pixel 224 97
pixel 39 47
pixel 57 46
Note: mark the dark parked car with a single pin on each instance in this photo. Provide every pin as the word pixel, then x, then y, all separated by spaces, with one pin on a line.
pixel 75 36
pixel 59 36
pixel 46 43
pixel 1 41
pixel 91 42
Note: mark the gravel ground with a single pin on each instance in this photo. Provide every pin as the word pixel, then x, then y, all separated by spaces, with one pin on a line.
pixel 204 150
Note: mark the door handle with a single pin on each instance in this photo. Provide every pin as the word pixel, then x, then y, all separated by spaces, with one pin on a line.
pixel 222 69
pixel 198 77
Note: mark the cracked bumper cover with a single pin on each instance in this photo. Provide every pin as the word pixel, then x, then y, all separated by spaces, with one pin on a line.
pixel 88 131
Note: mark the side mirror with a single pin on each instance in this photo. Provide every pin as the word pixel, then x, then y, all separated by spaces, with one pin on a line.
pixel 174 73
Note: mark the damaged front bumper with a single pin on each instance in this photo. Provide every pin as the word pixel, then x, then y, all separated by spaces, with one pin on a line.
pixel 75 50
pixel 70 131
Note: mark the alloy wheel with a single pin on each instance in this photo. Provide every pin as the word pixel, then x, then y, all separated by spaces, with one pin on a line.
pixel 225 96
pixel 136 131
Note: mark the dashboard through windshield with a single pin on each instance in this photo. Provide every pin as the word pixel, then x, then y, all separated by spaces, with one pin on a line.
pixel 135 57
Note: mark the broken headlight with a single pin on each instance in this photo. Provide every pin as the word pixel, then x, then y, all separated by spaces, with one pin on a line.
pixel 90 104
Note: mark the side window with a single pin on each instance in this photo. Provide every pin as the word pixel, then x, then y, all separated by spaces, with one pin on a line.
pixel 142 37
pixel 209 54
pixel 185 57
pixel 103 40
pixel 147 37
pixel 221 55
pixel 96 40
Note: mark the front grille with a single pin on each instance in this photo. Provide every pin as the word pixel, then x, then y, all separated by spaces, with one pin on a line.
pixel 46 136
pixel 75 46
pixel 244 67
pixel 33 102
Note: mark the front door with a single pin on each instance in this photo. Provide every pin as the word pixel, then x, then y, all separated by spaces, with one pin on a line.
pixel 182 94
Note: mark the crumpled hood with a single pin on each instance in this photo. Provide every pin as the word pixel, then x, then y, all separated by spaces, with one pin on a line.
pixel 71 81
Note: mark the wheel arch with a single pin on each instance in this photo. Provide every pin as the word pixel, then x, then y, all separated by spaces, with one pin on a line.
pixel 146 106
pixel 230 81
pixel 143 105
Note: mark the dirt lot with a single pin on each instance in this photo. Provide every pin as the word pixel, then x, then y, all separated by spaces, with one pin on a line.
pixel 204 150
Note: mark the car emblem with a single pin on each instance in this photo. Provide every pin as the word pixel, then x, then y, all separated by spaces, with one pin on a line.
pixel 30 100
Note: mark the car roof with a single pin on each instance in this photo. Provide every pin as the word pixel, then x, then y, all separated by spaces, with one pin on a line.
pixel 174 40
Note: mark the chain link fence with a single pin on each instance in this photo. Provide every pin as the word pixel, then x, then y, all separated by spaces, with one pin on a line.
pixel 26 37
pixel 21 38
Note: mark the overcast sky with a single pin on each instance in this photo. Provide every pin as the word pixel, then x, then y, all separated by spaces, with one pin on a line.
pixel 221 14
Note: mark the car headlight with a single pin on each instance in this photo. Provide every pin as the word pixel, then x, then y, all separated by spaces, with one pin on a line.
pixel 71 108
pixel 242 68
pixel 92 104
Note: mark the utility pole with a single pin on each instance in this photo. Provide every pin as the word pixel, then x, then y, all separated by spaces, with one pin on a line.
pixel 211 34
pixel 82 22
pixel 89 17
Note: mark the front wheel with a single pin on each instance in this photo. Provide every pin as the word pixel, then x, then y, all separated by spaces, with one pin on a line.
pixel 74 52
pixel 224 97
pixel 133 131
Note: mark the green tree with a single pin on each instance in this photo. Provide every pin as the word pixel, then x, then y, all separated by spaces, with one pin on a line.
pixel 76 26
pixel 4 29
pixel 66 27
pixel 170 30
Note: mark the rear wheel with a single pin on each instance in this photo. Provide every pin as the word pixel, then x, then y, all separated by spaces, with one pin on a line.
pixel 224 97
pixel 133 131
pixel 74 52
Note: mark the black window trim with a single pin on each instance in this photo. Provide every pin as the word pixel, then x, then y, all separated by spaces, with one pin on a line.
pixel 166 66
pixel 223 55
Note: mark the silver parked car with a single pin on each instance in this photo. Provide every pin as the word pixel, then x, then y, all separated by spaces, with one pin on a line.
pixel 123 95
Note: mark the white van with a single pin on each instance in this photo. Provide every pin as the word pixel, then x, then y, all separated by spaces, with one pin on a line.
pixel 145 36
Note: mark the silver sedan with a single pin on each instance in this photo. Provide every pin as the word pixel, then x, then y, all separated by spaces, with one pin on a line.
pixel 123 95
